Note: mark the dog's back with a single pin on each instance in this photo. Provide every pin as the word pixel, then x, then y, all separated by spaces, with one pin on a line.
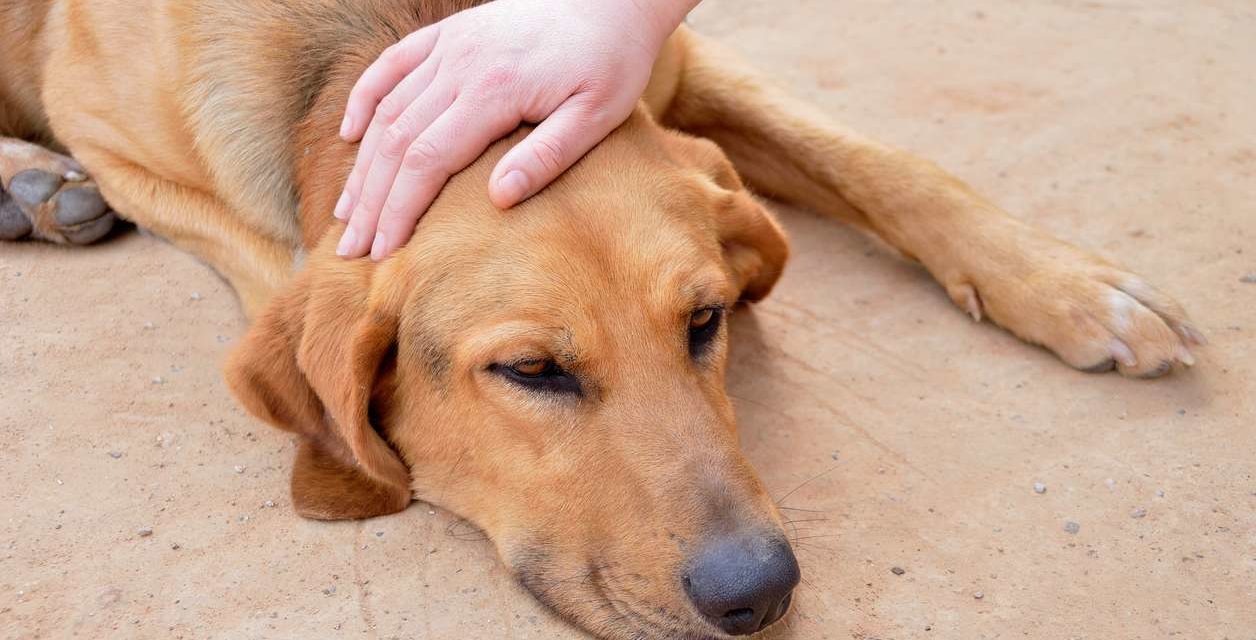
pixel 223 83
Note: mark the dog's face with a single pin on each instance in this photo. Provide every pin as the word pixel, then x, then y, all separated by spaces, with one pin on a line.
pixel 555 374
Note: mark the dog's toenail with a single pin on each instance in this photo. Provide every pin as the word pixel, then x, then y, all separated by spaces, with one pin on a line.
pixel 1160 370
pixel 14 225
pixel 78 205
pixel 34 186
pixel 1102 367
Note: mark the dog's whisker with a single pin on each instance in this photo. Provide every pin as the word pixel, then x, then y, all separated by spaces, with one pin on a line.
pixel 791 492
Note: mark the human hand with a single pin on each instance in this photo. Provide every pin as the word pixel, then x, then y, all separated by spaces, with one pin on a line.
pixel 432 103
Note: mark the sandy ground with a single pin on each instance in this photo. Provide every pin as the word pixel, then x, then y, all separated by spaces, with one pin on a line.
pixel 1127 127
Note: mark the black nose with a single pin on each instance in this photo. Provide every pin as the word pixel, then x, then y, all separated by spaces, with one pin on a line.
pixel 743 583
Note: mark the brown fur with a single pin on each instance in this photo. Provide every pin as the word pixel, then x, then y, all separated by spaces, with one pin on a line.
pixel 214 125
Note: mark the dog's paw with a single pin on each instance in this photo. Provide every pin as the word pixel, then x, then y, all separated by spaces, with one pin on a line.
pixel 1093 315
pixel 49 197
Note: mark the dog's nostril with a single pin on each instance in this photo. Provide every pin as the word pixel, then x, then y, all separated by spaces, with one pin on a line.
pixel 742 583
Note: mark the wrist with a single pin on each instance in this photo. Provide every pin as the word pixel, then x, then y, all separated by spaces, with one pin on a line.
pixel 658 18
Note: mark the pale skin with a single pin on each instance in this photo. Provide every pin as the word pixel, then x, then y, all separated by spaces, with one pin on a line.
pixel 432 103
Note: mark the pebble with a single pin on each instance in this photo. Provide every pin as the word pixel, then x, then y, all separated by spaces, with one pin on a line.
pixel 158 380
pixel 176 546
pixel 196 295
pixel 1138 512
pixel 1072 527
pixel 330 590
pixel 269 504
pixel 144 532
pixel 978 595
pixel 1110 483
pixel 1248 279
pixel 115 454
pixel 898 571
pixel 239 468
pixel 379 534
pixel 1159 493
pixel 149 326
pixel 1040 488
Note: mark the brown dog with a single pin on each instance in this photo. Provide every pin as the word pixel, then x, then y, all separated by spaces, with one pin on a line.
pixel 553 373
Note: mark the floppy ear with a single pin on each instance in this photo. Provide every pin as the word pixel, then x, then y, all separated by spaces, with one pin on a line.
pixel 308 365
pixel 755 247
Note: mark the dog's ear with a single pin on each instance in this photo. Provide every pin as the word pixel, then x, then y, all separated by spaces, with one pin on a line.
pixel 755 247
pixel 308 365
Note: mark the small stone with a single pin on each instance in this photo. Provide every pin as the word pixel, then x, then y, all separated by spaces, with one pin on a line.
pixel 196 295
pixel 1110 483
pixel 1138 512
pixel 1159 493
pixel 144 532
pixel 1248 279
pixel 239 468
pixel 978 595
pixel 329 590
pixel 149 326
pixel 176 546
pixel 158 380
pixel 1040 488
pixel 1181 412
pixel 269 504
pixel 1072 527
pixel 115 454
pixel 898 571
pixel 379 534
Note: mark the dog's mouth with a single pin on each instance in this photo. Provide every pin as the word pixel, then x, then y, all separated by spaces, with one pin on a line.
pixel 733 586
pixel 608 601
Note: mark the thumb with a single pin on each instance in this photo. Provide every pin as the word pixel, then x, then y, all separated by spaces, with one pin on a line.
pixel 576 126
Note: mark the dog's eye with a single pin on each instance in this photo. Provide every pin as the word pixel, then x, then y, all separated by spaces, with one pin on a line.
pixel 539 375
pixel 532 368
pixel 704 325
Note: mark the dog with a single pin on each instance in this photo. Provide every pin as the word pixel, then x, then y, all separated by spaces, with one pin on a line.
pixel 555 373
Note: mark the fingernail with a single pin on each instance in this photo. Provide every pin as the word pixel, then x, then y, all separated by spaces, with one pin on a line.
pixel 346 242
pixel 345 125
pixel 342 206
pixel 514 186
pixel 377 247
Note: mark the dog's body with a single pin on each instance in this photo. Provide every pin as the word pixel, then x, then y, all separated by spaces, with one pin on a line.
pixel 554 373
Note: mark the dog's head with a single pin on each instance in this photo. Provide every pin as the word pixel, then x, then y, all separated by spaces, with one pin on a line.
pixel 555 374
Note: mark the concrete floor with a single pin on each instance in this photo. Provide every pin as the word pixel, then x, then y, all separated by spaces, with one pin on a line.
pixel 1127 127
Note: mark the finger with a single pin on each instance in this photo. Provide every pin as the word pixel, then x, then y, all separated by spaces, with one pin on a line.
pixel 556 144
pixel 384 74
pixel 392 147
pixel 389 109
pixel 453 141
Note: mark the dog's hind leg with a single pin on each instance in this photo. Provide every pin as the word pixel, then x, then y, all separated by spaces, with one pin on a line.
pixel 48 196
pixel 1091 313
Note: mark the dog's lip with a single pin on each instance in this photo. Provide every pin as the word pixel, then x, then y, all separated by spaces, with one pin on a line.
pixel 622 605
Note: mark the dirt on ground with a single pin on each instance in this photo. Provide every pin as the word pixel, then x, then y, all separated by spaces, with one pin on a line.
pixel 949 481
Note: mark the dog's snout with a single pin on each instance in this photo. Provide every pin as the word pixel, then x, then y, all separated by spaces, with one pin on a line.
pixel 743 583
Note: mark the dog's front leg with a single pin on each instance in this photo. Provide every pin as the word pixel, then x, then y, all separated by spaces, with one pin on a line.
pixel 1091 313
